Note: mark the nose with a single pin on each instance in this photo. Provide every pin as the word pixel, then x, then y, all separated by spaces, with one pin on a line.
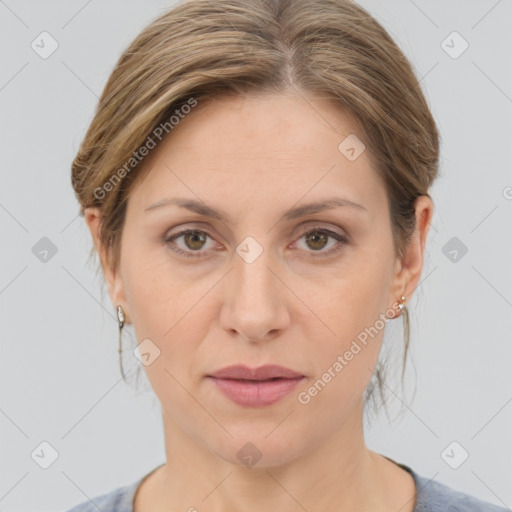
pixel 255 305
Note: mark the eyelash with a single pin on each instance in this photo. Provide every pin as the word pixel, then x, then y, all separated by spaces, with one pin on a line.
pixel 319 254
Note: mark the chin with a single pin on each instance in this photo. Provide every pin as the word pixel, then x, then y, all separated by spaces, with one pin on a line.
pixel 254 447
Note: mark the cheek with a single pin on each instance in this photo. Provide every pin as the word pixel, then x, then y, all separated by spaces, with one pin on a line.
pixel 151 289
pixel 343 370
pixel 165 309
pixel 150 304
pixel 354 308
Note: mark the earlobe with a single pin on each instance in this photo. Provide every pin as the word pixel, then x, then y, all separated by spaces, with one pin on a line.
pixel 113 280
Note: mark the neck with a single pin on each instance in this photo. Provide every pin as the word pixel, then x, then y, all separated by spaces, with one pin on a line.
pixel 340 474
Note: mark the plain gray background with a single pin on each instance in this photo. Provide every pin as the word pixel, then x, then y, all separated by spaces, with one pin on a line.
pixel 59 375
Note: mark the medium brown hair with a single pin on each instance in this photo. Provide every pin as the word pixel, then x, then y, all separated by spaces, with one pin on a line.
pixel 205 49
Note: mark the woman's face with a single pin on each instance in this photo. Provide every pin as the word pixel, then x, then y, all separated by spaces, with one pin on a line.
pixel 271 282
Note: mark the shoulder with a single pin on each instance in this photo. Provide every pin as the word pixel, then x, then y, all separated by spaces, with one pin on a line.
pixel 432 496
pixel 117 500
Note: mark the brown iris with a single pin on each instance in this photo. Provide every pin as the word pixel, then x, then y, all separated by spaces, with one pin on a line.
pixel 316 237
pixel 195 237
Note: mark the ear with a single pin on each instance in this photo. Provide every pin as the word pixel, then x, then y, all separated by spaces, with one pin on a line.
pixel 113 279
pixel 408 268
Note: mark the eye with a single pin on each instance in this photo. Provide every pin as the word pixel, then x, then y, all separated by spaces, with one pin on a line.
pixel 317 239
pixel 194 241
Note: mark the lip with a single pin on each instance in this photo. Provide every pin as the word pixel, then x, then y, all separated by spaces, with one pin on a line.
pixel 256 387
pixel 265 372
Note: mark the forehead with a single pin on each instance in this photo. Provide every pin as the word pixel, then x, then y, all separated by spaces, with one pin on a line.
pixel 284 146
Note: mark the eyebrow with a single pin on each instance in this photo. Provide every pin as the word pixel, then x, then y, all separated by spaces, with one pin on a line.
pixel 293 213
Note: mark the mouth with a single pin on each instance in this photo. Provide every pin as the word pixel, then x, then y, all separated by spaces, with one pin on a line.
pixel 257 387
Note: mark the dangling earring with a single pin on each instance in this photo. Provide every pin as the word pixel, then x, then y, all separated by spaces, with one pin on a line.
pixel 401 305
pixel 403 308
pixel 120 319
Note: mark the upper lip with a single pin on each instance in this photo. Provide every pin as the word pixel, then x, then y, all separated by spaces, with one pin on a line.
pixel 268 371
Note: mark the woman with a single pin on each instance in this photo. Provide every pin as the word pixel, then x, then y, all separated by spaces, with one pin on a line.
pixel 256 181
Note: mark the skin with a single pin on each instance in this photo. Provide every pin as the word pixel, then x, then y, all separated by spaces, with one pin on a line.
pixel 255 158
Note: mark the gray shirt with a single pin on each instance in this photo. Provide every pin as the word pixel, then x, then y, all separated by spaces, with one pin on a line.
pixel 431 496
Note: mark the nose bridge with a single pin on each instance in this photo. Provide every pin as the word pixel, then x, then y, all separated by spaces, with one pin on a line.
pixel 254 305
pixel 254 282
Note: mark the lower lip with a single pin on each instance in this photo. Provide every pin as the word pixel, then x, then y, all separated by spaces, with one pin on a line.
pixel 256 393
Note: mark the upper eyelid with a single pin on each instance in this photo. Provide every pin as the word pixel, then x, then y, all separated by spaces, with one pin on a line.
pixel 303 229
